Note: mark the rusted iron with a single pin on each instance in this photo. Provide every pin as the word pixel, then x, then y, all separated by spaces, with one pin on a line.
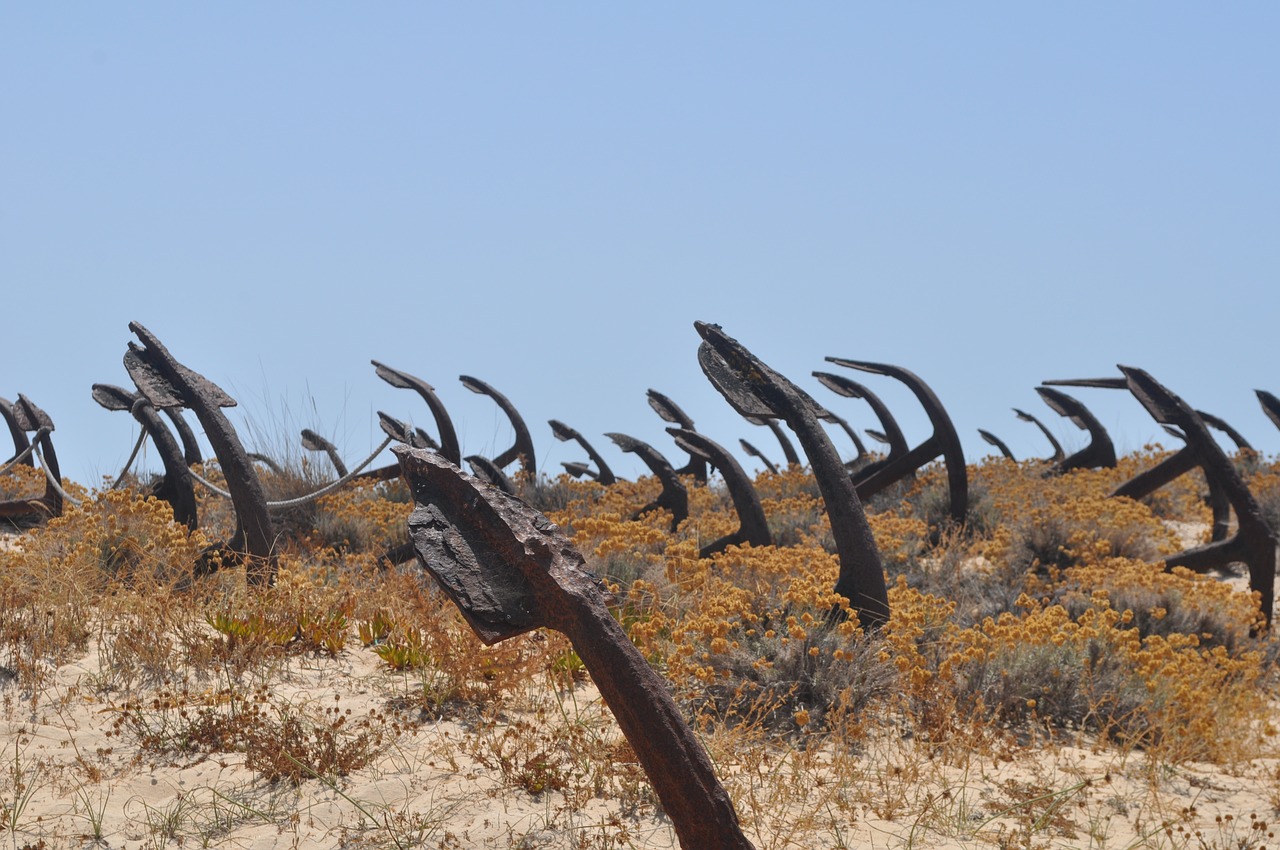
pixel 1254 542
pixel 523 446
pixel 190 446
pixel 603 473
pixel 449 446
pixel 267 461
pixel 860 458
pixel 998 443
pixel 1270 406
pixel 788 450
pixel 1058 454
pixel 313 442
pixel 669 411
pixel 580 470
pixel 177 487
pixel 510 570
pixel 1220 424
pixel 28 417
pixel 401 432
pixel 752 451
pixel 944 442
pixel 166 383
pixel 753 527
pixel 891 435
pixel 755 390
pixel 674 497
pixel 20 441
pixel 488 471
pixel 1173 466
pixel 1100 452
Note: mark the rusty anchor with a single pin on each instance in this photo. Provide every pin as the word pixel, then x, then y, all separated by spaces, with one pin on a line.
pixel 1100 452
pixel 891 435
pixel 669 411
pixel 1058 453
pixel 21 444
pixel 523 446
pixel 313 442
pixel 28 417
pixel 489 472
pixel 998 443
pixel 510 570
pixel 602 472
pixel 1270 406
pixel 755 390
pixel 674 496
pixel 177 487
pixel 166 383
pixel 944 442
pixel 753 527
pixel 449 446
pixel 788 450
pixel 1177 464
pixel 1254 542
pixel 752 451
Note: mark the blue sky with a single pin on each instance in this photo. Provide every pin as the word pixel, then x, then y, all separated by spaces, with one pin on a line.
pixel 547 196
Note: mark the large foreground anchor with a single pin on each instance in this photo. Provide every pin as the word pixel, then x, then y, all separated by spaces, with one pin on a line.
pixel 523 447
pixel 1254 542
pixel 674 497
pixel 671 412
pixel 753 389
pixel 177 487
pixel 944 442
pixel 167 383
pixel 510 570
pixel 753 527
pixel 602 472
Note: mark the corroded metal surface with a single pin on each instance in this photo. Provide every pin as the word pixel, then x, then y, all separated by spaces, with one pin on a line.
pixel 891 434
pixel 1270 406
pixel 944 442
pixel 313 442
pixel 489 472
pixel 753 389
pixel 998 443
pixel 669 411
pixel 602 472
pixel 753 527
pixel 190 447
pixel 167 383
pixel 1058 453
pixel 20 441
pixel 28 417
pixel 788 450
pixel 177 487
pixel 523 446
pixel 752 451
pixel 449 446
pixel 1255 542
pixel 1100 452
pixel 509 570
pixel 674 497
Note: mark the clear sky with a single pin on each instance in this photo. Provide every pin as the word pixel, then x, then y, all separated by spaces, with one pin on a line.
pixel 546 196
